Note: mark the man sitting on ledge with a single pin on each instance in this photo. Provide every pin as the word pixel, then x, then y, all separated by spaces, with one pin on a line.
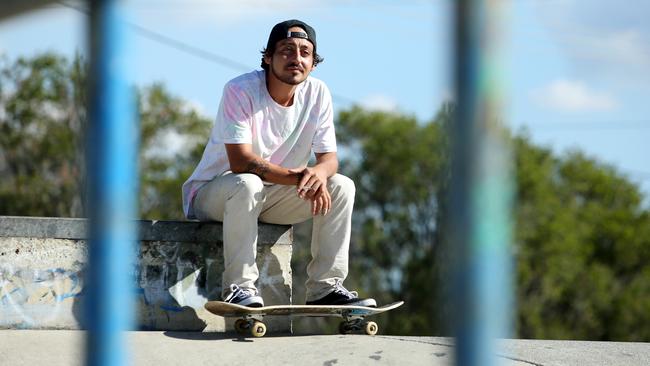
pixel 254 167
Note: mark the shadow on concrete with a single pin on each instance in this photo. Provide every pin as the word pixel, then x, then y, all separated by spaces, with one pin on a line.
pixel 210 336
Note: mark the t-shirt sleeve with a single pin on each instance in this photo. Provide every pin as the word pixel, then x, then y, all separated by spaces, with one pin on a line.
pixel 325 136
pixel 234 118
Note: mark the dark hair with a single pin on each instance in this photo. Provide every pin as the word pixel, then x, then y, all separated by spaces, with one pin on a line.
pixel 317 58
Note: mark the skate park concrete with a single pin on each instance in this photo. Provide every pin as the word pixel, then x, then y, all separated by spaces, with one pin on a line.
pixel 155 348
pixel 41 288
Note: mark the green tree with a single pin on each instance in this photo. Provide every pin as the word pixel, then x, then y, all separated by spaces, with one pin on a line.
pixel 41 125
pixel 582 249
pixel 42 122
pixel 173 139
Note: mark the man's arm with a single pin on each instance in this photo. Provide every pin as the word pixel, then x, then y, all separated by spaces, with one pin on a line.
pixel 243 160
pixel 327 163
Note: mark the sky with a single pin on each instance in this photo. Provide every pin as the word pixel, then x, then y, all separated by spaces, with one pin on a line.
pixel 576 73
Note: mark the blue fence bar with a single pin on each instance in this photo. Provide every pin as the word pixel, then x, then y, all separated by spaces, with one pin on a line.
pixel 481 188
pixel 112 184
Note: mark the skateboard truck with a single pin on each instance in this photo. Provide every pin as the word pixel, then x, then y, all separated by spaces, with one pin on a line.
pixel 354 321
pixel 252 324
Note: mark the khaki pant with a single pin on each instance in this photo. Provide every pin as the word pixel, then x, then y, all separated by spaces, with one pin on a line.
pixel 240 200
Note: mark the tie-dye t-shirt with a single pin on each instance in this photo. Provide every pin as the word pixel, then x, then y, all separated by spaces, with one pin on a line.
pixel 285 136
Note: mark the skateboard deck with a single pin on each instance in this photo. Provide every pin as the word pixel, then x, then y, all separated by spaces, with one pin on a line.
pixel 250 319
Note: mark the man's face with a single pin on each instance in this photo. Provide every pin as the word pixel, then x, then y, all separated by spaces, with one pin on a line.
pixel 292 60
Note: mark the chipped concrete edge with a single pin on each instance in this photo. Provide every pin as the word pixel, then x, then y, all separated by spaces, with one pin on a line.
pixel 148 230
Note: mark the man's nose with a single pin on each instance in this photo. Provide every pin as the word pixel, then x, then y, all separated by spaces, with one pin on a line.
pixel 296 55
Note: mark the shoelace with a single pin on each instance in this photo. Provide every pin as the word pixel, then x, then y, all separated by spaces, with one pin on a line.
pixel 338 287
pixel 235 291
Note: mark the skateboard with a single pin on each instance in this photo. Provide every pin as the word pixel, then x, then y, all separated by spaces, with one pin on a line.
pixel 251 319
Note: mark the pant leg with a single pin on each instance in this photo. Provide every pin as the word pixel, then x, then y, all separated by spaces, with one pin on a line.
pixel 236 200
pixel 330 234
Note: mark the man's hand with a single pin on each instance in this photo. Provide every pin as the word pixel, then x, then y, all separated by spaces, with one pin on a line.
pixel 313 186
pixel 310 183
pixel 322 203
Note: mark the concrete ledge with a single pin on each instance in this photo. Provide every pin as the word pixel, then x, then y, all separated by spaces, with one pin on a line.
pixel 179 266
pixel 148 230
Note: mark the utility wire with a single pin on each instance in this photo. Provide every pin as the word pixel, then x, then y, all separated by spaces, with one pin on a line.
pixel 192 50
pixel 589 125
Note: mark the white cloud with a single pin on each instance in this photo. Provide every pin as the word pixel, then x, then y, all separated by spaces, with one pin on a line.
pixel 625 49
pixel 379 102
pixel 572 96
pixel 602 37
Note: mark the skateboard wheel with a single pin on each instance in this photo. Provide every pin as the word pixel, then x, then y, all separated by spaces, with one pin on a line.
pixel 258 329
pixel 371 328
pixel 241 326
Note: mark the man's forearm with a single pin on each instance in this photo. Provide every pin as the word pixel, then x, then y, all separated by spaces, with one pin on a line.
pixel 269 172
pixel 242 159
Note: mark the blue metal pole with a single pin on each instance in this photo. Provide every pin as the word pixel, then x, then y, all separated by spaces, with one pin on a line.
pixel 112 185
pixel 481 189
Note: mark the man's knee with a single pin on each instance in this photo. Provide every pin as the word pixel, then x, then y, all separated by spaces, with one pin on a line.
pixel 341 185
pixel 247 184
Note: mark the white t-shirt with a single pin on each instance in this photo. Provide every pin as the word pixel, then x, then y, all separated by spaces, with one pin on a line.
pixel 285 136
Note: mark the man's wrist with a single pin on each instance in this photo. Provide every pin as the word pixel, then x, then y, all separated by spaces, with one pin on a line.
pixel 298 177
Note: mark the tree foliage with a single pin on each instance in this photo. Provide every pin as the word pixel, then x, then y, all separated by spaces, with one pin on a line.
pixel 173 138
pixel 42 123
pixel 583 245
pixel 41 137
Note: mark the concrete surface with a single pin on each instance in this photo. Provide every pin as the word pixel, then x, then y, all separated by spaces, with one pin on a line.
pixel 33 347
pixel 178 268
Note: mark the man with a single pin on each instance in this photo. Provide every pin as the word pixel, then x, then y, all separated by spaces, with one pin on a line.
pixel 254 167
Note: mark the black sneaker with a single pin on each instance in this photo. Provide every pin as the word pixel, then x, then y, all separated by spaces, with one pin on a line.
pixel 341 296
pixel 244 297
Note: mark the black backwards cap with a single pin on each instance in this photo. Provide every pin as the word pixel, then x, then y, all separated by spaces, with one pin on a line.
pixel 281 31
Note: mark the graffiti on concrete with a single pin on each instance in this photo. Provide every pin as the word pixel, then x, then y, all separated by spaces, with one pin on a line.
pixel 32 297
pixel 172 282
pixel 173 276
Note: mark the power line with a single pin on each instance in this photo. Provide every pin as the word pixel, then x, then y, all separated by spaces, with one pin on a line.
pixel 195 51
pixel 190 49
pixel 178 45
pixel 588 125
